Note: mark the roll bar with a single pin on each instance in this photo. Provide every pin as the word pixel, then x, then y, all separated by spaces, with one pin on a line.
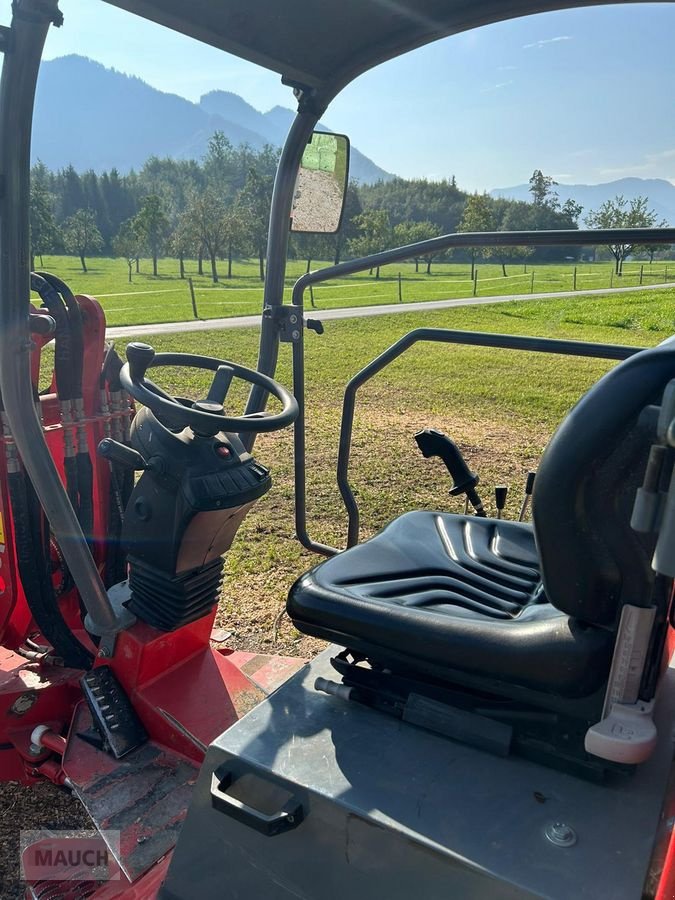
pixel 420 248
pixel 22 45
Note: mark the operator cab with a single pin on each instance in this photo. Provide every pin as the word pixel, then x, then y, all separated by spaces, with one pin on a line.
pixel 507 619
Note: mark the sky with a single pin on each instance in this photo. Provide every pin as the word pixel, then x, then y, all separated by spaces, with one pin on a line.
pixel 585 95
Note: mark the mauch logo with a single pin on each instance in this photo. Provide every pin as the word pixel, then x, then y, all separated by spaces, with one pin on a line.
pixel 69 856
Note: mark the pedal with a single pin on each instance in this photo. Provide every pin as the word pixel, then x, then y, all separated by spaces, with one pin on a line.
pixel 115 719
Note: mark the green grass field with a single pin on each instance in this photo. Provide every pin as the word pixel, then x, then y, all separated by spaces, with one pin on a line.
pixel 166 298
pixel 500 406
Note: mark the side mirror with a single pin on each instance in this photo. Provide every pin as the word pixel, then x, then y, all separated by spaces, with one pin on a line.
pixel 321 185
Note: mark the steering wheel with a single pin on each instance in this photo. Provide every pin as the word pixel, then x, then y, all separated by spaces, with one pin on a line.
pixel 206 416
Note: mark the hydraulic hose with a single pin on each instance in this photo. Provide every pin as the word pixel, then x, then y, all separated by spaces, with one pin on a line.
pixel 63 356
pixel 33 566
pixel 83 465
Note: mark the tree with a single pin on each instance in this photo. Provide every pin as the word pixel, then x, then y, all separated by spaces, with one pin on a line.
pixel 255 197
pixel 417 200
pixel 650 250
pixel 478 216
pixel 207 217
pixel 541 188
pixel 152 225
pixel 183 240
pixel 44 232
pixel 127 243
pixel 621 213
pixel 71 194
pixel 311 246
pixel 373 233
pixel 347 229
pixel 237 226
pixel 411 233
pixel 81 235
pixel 572 211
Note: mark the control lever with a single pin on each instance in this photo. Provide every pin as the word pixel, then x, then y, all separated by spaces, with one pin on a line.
pixel 432 442
pixel 529 487
pixel 125 456
pixel 314 325
pixel 501 491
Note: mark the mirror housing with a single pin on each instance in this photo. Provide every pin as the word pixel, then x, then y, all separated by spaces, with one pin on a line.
pixel 321 185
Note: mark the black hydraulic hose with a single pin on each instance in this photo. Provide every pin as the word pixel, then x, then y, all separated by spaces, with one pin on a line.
pixel 75 325
pixel 63 357
pixel 77 461
pixel 84 468
pixel 35 576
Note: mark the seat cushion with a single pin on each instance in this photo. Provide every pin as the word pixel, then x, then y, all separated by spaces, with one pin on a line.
pixel 455 593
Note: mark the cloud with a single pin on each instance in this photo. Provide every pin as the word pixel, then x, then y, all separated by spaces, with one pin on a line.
pixel 496 87
pixel 545 41
pixel 652 165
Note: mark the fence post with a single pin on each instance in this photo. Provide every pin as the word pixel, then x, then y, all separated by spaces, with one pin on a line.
pixel 311 296
pixel 665 276
pixel 642 272
pixel 475 282
pixel 193 298
pixel 400 289
pixel 532 282
pixel 574 287
pixel 611 278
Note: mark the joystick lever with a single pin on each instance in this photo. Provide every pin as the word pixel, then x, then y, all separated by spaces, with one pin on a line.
pixel 432 442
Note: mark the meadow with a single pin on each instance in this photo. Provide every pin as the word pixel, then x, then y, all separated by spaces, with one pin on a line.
pixel 166 297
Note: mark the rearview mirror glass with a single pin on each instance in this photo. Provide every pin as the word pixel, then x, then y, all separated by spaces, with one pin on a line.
pixel 321 185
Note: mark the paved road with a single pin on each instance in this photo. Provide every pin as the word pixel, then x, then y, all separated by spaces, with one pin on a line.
pixel 356 312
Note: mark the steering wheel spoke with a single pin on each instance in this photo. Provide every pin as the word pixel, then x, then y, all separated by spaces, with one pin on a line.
pixel 220 384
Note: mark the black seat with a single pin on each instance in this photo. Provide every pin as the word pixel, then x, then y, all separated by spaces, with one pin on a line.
pixel 537 608
pixel 451 592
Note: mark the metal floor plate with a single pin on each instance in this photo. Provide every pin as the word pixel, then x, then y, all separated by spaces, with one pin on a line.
pixel 487 813
pixel 143 796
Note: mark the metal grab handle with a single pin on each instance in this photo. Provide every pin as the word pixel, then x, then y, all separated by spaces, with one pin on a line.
pixel 288 817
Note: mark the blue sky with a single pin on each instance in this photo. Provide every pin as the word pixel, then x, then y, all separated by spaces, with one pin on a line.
pixel 586 95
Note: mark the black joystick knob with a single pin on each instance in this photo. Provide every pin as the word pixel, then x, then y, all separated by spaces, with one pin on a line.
pixel 432 442
pixel 140 357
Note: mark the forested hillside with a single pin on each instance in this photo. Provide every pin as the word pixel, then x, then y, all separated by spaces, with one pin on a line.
pixel 217 208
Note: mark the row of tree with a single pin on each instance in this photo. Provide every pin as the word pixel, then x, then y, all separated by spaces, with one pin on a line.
pixel 218 209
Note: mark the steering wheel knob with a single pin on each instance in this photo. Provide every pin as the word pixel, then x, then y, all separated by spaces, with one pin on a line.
pixel 140 357
pixel 209 406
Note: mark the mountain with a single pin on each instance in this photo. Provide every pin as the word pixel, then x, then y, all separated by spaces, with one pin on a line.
pixel 98 118
pixel 660 193
pixel 274 125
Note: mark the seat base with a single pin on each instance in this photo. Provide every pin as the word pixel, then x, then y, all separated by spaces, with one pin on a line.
pixel 457 598
pixel 501 726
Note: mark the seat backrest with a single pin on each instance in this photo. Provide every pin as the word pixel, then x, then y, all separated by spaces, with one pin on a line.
pixel 592 561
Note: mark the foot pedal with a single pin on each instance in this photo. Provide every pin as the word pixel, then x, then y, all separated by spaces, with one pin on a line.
pixel 115 719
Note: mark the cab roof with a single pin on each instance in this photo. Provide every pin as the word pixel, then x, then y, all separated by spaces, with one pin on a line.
pixel 325 44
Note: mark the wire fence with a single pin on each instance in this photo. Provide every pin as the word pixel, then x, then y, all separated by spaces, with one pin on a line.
pixel 201 302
